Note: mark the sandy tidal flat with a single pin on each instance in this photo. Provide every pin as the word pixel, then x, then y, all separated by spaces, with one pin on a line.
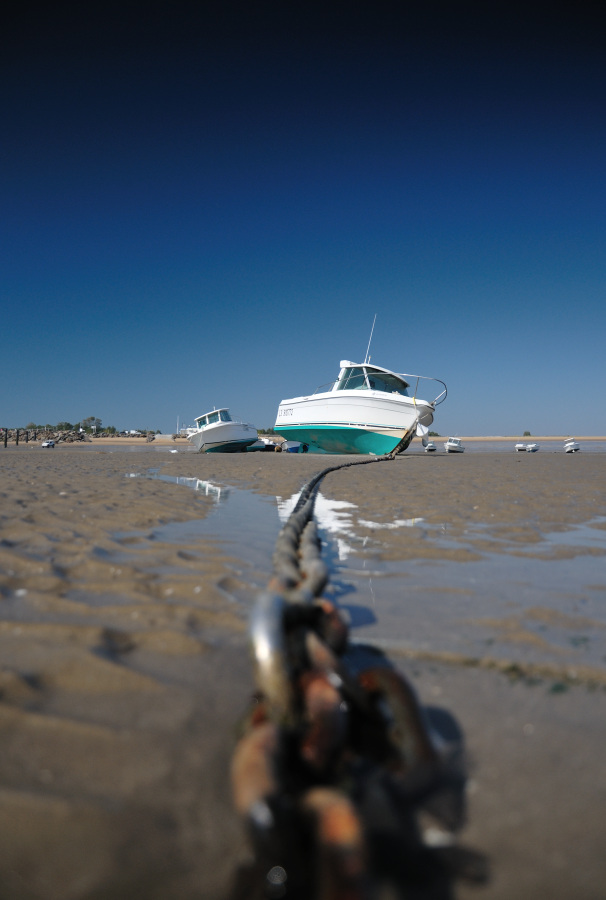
pixel 124 668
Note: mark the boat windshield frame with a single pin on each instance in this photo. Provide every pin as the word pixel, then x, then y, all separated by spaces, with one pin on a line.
pixel 368 378
pixel 214 417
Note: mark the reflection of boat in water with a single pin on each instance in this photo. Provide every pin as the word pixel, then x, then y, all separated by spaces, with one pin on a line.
pixel 454 445
pixel 216 491
pixel 367 410
pixel 571 446
pixel 217 432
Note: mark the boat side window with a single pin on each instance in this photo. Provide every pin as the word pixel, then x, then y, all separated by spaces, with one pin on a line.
pixel 225 416
pixel 213 417
pixel 389 384
pixel 202 422
pixel 353 379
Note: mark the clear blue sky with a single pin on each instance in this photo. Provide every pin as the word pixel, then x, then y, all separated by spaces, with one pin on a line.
pixel 203 206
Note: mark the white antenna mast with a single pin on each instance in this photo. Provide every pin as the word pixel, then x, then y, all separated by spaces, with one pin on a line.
pixel 370 338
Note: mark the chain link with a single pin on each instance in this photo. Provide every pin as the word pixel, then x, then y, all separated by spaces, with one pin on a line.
pixel 336 771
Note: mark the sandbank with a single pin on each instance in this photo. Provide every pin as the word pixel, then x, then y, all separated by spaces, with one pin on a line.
pixel 125 668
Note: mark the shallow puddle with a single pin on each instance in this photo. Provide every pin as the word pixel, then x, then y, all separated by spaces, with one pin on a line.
pixel 541 602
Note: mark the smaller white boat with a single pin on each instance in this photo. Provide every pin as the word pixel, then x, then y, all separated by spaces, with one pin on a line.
pixel 528 448
pixel 430 447
pixel 218 432
pixel 454 445
pixel 263 445
pixel 571 446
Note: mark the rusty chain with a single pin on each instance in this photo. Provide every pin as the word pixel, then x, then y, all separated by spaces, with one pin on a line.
pixel 336 773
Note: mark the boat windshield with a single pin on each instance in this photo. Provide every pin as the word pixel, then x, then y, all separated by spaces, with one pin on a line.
pixel 389 384
pixel 360 378
pixel 221 415
pixel 352 379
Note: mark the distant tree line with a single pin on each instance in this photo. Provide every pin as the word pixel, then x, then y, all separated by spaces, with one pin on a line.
pixel 90 425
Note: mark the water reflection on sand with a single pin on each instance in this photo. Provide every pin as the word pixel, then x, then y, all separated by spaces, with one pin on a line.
pixel 541 602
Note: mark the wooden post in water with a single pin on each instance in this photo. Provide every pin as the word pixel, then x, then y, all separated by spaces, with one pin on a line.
pixel 26 436
pixel 16 437
pixel 5 436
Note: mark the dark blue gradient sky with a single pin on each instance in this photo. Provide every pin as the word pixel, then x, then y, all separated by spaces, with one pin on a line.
pixel 206 204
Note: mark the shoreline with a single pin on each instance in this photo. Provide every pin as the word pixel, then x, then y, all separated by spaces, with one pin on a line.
pixel 531 437
pixel 167 440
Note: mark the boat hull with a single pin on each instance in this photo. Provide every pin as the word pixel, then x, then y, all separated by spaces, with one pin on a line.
pixel 344 439
pixel 228 447
pixel 225 437
pixel 351 422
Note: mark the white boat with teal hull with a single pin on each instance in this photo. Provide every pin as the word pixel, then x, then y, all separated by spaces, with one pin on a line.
pixel 368 410
pixel 218 432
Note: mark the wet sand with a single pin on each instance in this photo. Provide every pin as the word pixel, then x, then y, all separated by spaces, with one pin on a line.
pixel 124 668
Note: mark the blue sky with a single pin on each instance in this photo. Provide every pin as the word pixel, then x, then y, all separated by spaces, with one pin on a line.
pixel 204 206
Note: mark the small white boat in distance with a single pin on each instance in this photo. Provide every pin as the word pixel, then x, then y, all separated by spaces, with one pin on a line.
pixel 430 447
pixel 454 445
pixel 571 446
pixel 218 432
pixel 529 448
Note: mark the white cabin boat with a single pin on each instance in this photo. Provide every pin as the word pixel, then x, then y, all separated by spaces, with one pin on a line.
pixel 571 446
pixel 454 445
pixel 529 448
pixel 218 432
pixel 367 410
pixel 430 447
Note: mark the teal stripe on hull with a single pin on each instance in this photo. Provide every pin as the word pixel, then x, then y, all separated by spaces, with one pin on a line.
pixel 331 439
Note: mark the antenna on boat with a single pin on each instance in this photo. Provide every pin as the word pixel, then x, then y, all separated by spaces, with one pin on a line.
pixel 366 358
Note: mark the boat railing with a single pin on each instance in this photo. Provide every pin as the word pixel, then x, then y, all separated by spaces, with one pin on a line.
pixel 413 386
pixel 418 378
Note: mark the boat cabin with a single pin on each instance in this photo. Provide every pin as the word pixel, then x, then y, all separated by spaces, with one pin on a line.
pixel 370 378
pixel 211 418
